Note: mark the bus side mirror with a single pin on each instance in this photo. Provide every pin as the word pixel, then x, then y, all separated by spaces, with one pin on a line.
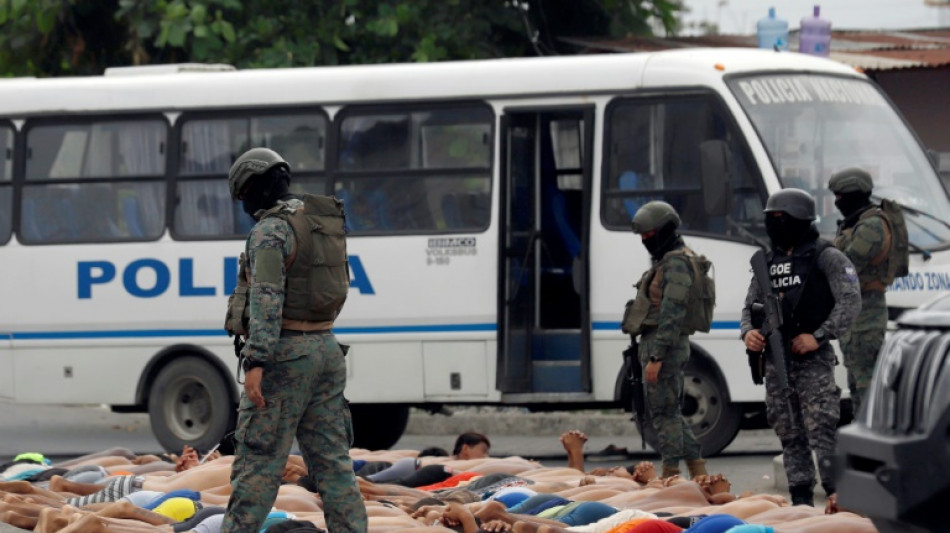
pixel 714 170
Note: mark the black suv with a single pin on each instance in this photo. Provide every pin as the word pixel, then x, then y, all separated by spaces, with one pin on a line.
pixel 894 460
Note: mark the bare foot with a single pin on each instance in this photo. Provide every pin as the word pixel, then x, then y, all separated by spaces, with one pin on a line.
pixel 491 510
pixel 496 526
pixel 831 505
pixel 644 472
pixel 573 440
pixel 22 521
pixel 51 520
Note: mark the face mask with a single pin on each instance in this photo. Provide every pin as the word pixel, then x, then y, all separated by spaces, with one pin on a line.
pixel 850 203
pixel 661 241
pixel 263 192
pixel 785 231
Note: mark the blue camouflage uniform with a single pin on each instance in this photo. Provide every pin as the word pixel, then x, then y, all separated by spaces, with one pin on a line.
pixel 302 383
pixel 811 422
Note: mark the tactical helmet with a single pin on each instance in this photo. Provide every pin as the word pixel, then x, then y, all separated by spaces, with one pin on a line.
pixel 850 180
pixel 253 162
pixel 796 203
pixel 654 215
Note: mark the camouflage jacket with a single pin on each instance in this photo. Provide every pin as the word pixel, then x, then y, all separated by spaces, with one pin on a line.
pixel 866 245
pixel 269 244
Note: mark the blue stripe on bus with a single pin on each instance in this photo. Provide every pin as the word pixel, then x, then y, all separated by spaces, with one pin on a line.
pixel 153 333
pixel 615 326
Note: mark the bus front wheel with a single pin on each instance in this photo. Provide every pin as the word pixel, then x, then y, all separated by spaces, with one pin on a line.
pixel 378 426
pixel 189 405
pixel 714 419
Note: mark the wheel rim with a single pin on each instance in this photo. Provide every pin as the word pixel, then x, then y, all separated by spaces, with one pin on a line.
pixel 702 405
pixel 187 408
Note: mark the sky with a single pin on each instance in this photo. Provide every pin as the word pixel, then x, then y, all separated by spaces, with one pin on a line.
pixel 740 16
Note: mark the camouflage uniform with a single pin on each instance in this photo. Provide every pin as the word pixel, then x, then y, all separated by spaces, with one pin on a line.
pixel 303 384
pixel 662 338
pixel 860 345
pixel 814 396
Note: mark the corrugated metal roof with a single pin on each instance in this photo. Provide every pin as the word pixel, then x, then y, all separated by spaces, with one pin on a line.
pixel 868 50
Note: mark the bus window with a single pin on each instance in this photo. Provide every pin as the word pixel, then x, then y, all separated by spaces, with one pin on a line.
pixel 209 146
pixel 444 161
pixel 654 154
pixel 6 191
pixel 94 181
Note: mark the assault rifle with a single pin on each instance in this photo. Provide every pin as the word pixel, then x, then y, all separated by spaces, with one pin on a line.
pixel 635 374
pixel 771 326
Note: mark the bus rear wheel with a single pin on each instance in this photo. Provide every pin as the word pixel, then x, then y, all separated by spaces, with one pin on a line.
pixel 378 426
pixel 189 405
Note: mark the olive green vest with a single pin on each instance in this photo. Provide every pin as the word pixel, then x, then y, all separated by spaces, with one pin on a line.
pixel 874 276
pixel 318 273
pixel 644 310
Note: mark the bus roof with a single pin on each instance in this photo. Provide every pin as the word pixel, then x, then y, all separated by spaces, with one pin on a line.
pixel 586 74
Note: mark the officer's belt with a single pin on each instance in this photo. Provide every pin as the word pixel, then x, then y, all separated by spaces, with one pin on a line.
pixel 298 333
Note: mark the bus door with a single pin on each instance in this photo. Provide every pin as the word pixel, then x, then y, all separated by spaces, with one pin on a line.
pixel 543 295
pixel 6 366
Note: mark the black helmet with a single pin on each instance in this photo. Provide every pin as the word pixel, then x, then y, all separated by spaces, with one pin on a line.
pixel 796 203
pixel 850 180
pixel 654 215
pixel 252 163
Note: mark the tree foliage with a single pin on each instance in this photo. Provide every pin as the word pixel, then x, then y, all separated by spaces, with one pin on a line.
pixel 77 37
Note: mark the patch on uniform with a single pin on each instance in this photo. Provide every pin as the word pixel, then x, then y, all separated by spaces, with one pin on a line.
pixel 850 273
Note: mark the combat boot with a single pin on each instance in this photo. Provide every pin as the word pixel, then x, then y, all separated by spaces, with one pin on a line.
pixel 802 495
pixel 670 471
pixel 696 467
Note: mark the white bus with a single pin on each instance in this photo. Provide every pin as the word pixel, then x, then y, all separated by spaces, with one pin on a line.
pixel 489 207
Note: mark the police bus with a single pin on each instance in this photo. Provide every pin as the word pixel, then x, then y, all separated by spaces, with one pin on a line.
pixel 488 209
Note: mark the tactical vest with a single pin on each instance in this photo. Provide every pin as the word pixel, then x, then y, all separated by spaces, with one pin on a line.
pixel 318 275
pixel 701 301
pixel 807 299
pixel 893 259
pixel 237 320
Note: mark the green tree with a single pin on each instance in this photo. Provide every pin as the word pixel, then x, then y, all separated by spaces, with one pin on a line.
pixel 74 37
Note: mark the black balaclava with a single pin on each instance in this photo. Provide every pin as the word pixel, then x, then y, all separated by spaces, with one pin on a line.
pixel 787 232
pixel 265 190
pixel 662 241
pixel 851 205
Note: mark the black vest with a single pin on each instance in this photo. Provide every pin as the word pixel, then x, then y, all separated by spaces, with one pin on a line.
pixel 807 299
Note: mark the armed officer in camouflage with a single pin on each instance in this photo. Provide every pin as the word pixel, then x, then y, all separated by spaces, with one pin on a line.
pixel 817 287
pixel 657 315
pixel 863 236
pixel 294 367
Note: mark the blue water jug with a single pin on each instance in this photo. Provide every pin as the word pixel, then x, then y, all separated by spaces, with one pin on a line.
pixel 772 32
pixel 815 36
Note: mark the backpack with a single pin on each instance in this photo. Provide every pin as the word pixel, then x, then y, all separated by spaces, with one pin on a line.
pixel 898 255
pixel 702 295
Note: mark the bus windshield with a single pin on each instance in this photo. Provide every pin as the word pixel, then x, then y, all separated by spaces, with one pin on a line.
pixel 815 125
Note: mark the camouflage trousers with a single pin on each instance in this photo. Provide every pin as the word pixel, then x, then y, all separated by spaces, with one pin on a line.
pixel 675 438
pixel 860 346
pixel 805 420
pixel 304 397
